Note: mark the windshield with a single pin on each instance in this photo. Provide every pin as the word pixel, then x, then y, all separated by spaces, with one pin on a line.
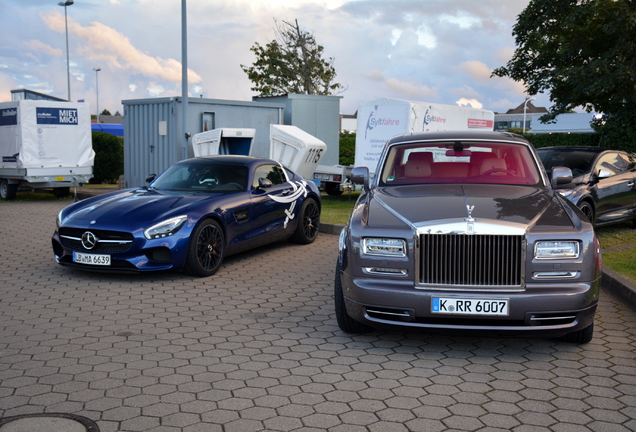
pixel 201 175
pixel 579 161
pixel 460 162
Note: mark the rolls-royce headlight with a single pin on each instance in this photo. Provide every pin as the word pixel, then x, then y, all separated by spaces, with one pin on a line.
pixel 384 246
pixel 556 250
pixel 165 228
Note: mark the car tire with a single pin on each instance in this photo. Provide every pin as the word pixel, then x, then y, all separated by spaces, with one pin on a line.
pixel 8 191
pixel 308 222
pixel 587 210
pixel 206 249
pixel 333 189
pixel 582 336
pixel 345 322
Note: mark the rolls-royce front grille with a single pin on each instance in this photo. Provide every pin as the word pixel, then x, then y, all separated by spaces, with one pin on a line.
pixel 471 261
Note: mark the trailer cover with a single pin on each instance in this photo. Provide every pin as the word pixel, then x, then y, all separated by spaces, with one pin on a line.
pixel 45 135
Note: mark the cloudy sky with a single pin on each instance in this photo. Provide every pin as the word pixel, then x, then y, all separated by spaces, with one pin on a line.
pixel 440 51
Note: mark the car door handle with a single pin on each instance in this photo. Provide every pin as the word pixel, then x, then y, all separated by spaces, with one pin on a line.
pixel 630 184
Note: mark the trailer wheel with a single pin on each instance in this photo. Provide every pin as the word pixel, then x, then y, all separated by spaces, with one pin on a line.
pixel 8 191
pixel 62 192
pixel 333 189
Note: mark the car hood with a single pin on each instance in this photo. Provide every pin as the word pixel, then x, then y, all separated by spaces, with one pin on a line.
pixel 424 204
pixel 135 205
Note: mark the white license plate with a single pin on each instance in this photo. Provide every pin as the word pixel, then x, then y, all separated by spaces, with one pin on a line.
pixel 457 306
pixel 321 176
pixel 91 259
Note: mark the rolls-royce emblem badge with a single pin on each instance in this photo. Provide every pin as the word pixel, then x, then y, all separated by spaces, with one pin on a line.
pixel 89 240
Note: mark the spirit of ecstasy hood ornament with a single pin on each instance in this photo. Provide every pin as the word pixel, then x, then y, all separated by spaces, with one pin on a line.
pixel 470 221
pixel 470 213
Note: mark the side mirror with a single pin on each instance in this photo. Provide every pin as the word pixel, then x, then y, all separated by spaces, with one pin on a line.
pixel 360 175
pixel 264 183
pixel 603 173
pixel 561 175
pixel 150 178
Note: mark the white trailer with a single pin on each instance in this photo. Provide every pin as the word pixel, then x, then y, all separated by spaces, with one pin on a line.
pixel 296 149
pixel 382 119
pixel 44 144
pixel 223 141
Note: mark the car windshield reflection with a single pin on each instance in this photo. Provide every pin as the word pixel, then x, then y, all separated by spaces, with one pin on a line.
pixel 202 176
pixel 459 162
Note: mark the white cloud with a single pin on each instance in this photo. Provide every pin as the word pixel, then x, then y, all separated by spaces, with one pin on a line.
pixel 439 51
pixel 103 43
pixel 470 102
pixel 477 70
pixel 41 47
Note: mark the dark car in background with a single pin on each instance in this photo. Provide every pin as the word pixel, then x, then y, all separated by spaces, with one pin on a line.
pixel 603 184
pixel 463 232
pixel 189 217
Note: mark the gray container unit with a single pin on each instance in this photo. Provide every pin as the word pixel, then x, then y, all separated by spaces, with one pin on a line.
pixel 153 134
pixel 318 115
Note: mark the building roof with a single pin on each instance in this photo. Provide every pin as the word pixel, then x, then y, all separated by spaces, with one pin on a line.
pixel 530 109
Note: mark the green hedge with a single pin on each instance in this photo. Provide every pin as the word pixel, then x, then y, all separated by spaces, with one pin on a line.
pixel 109 158
pixel 347 148
pixel 563 139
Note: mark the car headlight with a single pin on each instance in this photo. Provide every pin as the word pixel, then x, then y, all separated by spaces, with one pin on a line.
pixel 58 220
pixel 165 228
pixel 556 250
pixel 384 246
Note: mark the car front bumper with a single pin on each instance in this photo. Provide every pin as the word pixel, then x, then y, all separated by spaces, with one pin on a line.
pixel 538 310
pixel 142 256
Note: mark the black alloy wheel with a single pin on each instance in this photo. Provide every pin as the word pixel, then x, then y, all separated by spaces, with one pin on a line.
pixel 206 249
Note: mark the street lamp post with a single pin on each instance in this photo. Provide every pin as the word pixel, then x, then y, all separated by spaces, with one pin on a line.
pixel 97 91
pixel 65 4
pixel 525 105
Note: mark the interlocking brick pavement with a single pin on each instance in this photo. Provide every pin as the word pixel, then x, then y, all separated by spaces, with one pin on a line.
pixel 256 348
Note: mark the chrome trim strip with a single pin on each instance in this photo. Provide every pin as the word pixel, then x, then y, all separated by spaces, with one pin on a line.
pixel 99 241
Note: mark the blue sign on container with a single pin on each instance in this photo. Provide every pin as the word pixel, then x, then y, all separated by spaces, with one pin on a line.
pixel 56 116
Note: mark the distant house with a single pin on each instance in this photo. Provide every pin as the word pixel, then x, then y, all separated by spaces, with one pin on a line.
pixel 564 123
pixel 514 118
pixel 25 94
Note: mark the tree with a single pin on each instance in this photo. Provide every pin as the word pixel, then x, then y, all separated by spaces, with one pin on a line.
pixel 105 112
pixel 291 63
pixel 109 158
pixel 583 53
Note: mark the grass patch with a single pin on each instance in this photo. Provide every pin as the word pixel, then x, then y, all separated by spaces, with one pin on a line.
pixel 34 196
pixel 336 209
pixel 99 186
pixel 616 235
pixel 622 261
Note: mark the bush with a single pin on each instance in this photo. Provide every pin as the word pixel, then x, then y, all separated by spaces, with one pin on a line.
pixel 347 148
pixel 563 139
pixel 109 158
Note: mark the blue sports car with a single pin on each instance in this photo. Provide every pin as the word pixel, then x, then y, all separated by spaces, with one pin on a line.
pixel 189 218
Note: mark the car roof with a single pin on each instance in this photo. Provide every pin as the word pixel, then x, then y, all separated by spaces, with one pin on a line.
pixel 233 159
pixel 460 136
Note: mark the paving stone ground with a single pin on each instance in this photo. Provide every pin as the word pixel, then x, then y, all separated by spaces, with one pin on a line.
pixel 257 348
